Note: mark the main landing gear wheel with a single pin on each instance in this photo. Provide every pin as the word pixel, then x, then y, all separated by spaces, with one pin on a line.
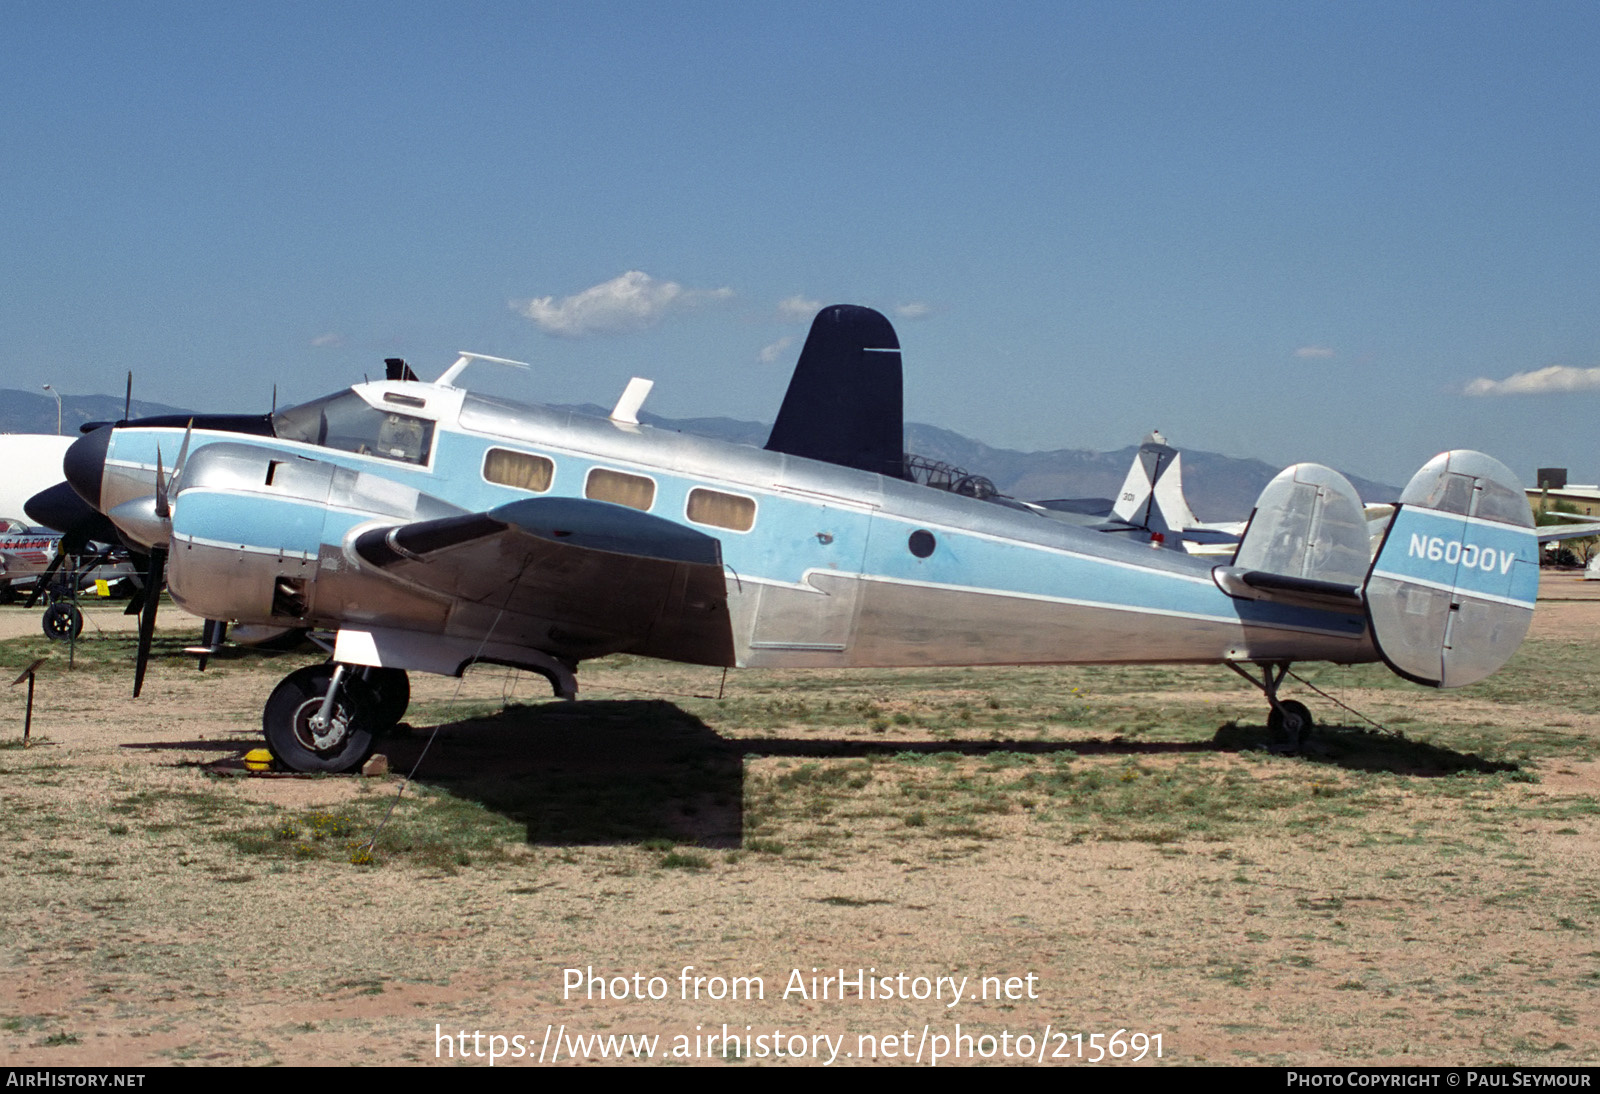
pixel 62 621
pixel 1290 724
pixel 302 737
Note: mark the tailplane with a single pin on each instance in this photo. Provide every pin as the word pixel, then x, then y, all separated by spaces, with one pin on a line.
pixel 1450 593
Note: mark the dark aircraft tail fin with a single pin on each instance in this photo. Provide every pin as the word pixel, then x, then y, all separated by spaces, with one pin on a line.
pixel 845 404
pixel 395 368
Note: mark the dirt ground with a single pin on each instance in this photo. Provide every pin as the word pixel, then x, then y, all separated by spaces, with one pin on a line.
pixel 1329 913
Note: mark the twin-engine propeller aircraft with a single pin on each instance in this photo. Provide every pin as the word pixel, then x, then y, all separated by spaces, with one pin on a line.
pixel 421 526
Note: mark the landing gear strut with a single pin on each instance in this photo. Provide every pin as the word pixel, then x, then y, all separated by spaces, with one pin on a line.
pixel 323 717
pixel 1289 722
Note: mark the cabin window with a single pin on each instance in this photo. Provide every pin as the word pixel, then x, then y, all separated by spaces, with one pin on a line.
pixel 721 510
pixel 522 470
pixel 620 488
pixel 921 543
pixel 346 422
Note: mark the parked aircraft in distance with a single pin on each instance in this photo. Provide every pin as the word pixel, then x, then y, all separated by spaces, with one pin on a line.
pixel 25 554
pixel 32 462
pixel 33 551
pixel 424 527
pixel 1151 505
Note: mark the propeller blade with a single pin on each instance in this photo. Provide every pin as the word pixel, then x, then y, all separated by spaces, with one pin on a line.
pixel 141 565
pixel 147 616
pixel 127 400
pixel 183 455
pixel 74 541
pixel 44 578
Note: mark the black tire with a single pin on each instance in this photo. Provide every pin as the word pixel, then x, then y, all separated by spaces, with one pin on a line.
pixel 391 695
pixel 62 622
pixel 287 716
pixel 1290 724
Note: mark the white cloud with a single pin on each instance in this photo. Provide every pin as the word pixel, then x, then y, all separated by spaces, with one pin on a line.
pixel 332 338
pixel 798 309
pixel 1556 378
pixel 771 354
pixel 1313 351
pixel 631 302
pixel 912 311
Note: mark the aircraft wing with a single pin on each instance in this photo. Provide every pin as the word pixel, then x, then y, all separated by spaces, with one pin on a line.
pixel 1553 533
pixel 571 576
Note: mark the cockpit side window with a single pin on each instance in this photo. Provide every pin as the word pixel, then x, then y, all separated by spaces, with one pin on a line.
pixel 347 422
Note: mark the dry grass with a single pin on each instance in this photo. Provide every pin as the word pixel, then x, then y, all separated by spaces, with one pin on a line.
pixel 1118 833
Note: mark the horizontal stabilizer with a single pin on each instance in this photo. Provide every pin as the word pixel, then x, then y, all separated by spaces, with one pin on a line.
pixel 1453 587
pixel 1557 533
pixel 1292 590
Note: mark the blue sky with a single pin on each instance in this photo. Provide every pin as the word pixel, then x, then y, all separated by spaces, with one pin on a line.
pixel 1287 231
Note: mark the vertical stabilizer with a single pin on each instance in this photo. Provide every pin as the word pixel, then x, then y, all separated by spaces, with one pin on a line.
pixel 845 403
pixel 1308 525
pixel 1453 587
pixel 1152 494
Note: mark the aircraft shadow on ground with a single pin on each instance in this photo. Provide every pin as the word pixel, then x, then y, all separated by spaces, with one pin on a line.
pixel 621 771
pixel 1358 748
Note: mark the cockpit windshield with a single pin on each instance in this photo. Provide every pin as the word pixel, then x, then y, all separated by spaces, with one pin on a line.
pixel 349 423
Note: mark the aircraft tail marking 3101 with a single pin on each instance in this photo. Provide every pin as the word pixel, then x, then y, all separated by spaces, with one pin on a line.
pixel 422 526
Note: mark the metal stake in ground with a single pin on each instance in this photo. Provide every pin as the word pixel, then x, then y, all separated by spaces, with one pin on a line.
pixel 27 674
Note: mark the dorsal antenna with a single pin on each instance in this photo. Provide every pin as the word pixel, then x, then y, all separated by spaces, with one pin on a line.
pixel 464 359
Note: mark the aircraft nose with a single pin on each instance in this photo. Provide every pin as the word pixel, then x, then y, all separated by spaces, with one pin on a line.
pixel 85 464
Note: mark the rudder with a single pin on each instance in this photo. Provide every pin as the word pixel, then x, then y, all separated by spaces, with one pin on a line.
pixel 1452 590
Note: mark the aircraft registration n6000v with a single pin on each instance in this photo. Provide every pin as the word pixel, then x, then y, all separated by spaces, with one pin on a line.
pixel 421 526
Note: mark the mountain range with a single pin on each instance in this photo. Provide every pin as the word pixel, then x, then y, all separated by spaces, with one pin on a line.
pixel 1218 487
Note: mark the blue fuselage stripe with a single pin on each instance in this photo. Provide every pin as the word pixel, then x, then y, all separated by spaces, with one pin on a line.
pixel 794 533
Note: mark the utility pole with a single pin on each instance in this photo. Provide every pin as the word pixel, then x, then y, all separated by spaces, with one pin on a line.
pixel 57 394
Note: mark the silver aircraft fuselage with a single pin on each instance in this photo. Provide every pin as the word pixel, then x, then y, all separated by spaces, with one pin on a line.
pixel 824 565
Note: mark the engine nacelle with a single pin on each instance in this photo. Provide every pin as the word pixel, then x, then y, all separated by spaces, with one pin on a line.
pixel 258 535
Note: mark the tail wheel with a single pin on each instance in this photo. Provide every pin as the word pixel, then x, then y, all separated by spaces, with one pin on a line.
pixel 298 742
pixel 1289 723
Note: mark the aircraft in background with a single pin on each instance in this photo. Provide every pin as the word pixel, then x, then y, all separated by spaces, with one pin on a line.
pixel 25 554
pixel 423 527
pixel 32 462
pixel 1151 506
pixel 33 551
